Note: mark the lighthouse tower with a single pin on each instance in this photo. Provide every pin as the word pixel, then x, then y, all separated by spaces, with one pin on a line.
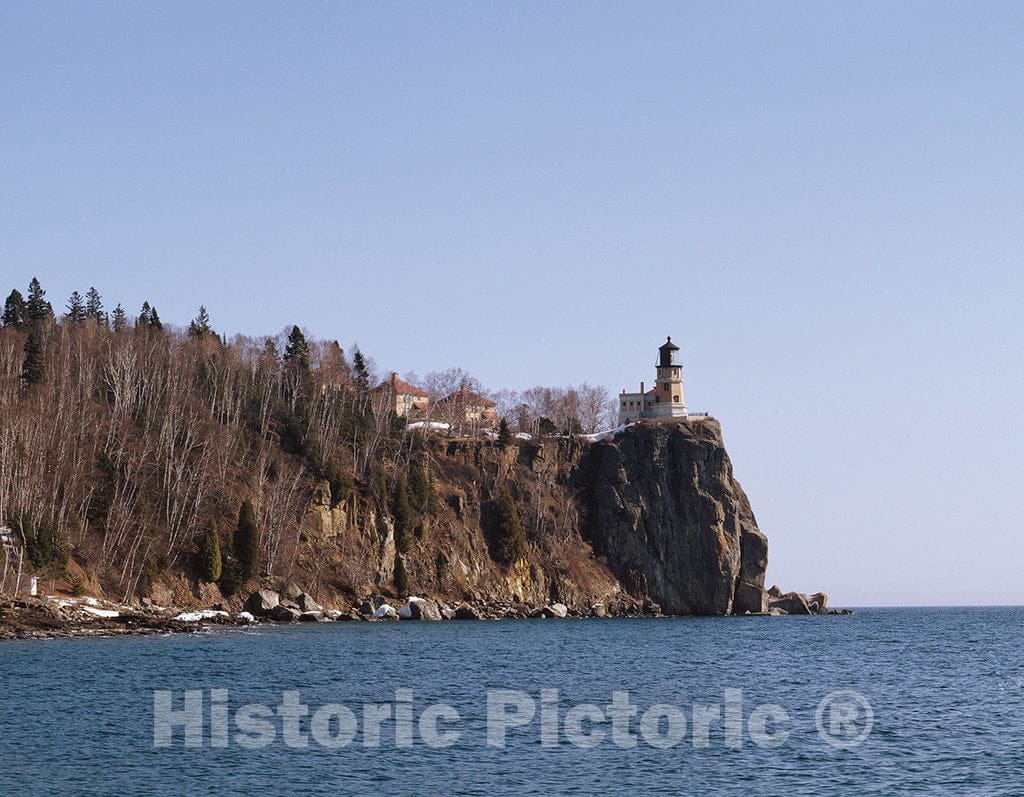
pixel 668 387
pixel 665 399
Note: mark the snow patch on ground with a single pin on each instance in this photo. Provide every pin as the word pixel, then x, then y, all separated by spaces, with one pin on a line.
pixel 195 617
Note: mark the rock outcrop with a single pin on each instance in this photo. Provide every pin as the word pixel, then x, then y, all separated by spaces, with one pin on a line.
pixel 662 505
pixel 650 522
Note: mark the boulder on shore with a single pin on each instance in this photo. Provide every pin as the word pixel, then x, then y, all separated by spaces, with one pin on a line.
pixel 818 603
pixel 385 612
pixel 262 602
pixel 307 604
pixel 420 609
pixel 791 603
pixel 284 614
pixel 466 612
pixel 558 610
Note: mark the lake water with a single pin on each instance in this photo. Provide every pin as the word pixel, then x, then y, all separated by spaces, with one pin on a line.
pixel 945 688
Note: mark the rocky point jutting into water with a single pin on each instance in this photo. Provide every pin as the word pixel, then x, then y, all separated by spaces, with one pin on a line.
pixel 153 468
pixel 652 516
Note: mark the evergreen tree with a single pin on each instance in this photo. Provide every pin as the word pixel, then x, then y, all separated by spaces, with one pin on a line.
pixel 401 511
pixel 76 307
pixel 247 541
pixel 199 327
pixel 504 434
pixel 33 368
pixel 297 350
pixel 119 318
pixel 509 537
pixel 340 481
pixel 210 565
pixel 44 543
pixel 154 320
pixel 36 306
pixel 401 578
pixel 420 487
pixel 145 318
pixel 361 371
pixel 94 305
pixel 14 310
pixel 230 580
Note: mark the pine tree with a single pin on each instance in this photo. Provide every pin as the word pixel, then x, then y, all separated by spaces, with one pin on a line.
pixel 509 537
pixel 420 486
pixel 14 310
pixel 340 482
pixel 94 305
pixel 145 318
pixel 36 306
pixel 362 373
pixel 401 511
pixel 504 434
pixel 401 578
pixel 199 327
pixel 210 565
pixel 119 318
pixel 247 541
pixel 33 367
pixel 297 350
pixel 154 320
pixel 76 307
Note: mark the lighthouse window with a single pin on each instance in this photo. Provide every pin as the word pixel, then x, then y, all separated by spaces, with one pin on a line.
pixel 675 399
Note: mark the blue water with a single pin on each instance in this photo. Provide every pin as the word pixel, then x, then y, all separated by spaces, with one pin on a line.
pixel 946 687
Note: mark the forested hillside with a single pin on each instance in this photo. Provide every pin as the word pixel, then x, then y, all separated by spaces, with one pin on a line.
pixel 130 450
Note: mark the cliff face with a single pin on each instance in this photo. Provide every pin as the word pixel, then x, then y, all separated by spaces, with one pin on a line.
pixel 662 505
pixel 654 515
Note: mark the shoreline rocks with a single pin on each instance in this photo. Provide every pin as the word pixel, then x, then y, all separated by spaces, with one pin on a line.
pixel 54 617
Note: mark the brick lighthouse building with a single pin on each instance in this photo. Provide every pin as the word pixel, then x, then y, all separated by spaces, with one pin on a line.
pixel 665 399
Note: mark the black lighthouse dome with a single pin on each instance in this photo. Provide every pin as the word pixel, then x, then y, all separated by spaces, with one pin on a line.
pixel 667 353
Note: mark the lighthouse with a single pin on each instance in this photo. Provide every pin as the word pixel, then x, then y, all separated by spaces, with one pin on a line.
pixel 668 386
pixel 666 399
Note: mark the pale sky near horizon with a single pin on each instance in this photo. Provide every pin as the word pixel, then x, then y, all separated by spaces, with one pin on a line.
pixel 822 204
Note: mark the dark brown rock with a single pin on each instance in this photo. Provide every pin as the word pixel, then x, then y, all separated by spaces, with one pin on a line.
pixel 662 505
pixel 749 598
pixel 791 603
pixel 466 612
pixel 262 602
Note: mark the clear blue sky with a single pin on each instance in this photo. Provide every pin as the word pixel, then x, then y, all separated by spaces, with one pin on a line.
pixel 822 204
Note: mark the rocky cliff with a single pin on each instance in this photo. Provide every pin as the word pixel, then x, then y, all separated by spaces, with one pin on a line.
pixel 653 518
pixel 662 505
